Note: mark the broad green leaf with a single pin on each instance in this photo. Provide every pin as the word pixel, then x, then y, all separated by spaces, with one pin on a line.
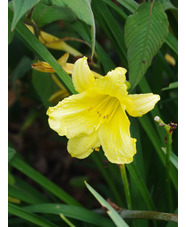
pixel 82 9
pixel 33 218
pixel 43 181
pixel 132 6
pixel 145 32
pixel 110 210
pixel 70 211
pixel 11 153
pixel 43 14
pixel 20 8
pixel 42 51
pixel 171 86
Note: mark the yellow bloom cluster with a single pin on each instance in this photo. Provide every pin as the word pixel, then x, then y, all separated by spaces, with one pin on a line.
pixel 97 115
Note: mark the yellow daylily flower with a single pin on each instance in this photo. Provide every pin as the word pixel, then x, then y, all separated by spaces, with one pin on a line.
pixel 53 42
pixel 97 115
pixel 45 67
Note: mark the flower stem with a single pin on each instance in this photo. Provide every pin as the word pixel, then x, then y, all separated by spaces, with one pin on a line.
pixel 143 214
pixel 154 215
pixel 168 140
pixel 126 186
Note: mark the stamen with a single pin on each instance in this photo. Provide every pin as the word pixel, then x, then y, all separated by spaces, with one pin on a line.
pixel 91 108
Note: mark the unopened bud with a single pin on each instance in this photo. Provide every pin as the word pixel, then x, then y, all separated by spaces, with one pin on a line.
pixel 157 119
pixel 170 59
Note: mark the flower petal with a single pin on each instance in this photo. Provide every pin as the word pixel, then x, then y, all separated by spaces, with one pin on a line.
pixel 42 66
pixel 76 115
pixel 82 76
pixel 141 104
pixel 82 146
pixel 115 138
pixel 113 83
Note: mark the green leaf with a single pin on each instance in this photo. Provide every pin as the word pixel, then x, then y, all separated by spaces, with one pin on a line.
pixel 117 9
pixel 173 157
pixel 172 42
pixel 10 33
pixel 23 66
pixel 82 9
pixel 23 195
pixel 68 222
pixel 110 210
pixel 42 51
pixel 111 27
pixel 151 133
pixel 11 153
pixel 167 4
pixel 70 211
pixel 43 181
pixel 43 14
pixel 20 8
pixel 141 186
pixel 44 86
pixel 11 180
pixel 131 5
pixel 26 189
pixel 33 218
pixel 145 32
pixel 171 86
pixel 47 2
pixel 107 178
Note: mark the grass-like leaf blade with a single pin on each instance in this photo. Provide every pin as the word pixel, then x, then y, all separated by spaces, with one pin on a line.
pixel 11 153
pixel 22 213
pixel 43 181
pixel 78 213
pixel 110 210
pixel 42 51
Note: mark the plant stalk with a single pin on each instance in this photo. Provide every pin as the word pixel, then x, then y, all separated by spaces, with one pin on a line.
pixel 143 214
pixel 154 215
pixel 126 186
pixel 168 141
